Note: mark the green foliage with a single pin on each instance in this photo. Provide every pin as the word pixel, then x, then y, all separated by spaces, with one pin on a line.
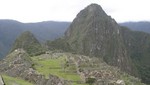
pixel 130 80
pixel 14 81
pixel 138 47
pixel 90 81
pixel 145 73
pixel 58 44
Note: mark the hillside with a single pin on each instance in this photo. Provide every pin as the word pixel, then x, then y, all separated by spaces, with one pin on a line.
pixel 55 68
pixel 138 47
pixel 29 43
pixel 10 29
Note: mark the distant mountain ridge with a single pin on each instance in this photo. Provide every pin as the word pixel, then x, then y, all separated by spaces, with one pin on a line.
pixel 138 26
pixel 47 30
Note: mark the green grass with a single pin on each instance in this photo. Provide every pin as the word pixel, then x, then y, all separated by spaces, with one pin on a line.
pixel 14 81
pixel 55 67
pixel 79 84
pixel 130 80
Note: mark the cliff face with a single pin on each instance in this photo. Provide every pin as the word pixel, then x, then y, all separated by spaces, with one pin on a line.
pixel 95 33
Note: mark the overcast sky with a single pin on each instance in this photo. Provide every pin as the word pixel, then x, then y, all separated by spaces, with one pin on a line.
pixel 66 10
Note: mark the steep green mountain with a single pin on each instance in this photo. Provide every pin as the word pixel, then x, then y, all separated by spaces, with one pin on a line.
pixel 10 29
pixel 94 33
pixel 29 43
pixel 138 26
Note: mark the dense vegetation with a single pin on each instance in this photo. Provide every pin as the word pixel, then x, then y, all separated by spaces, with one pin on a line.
pixel 138 45
pixel 29 43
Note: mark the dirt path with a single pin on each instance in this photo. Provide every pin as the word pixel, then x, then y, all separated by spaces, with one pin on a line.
pixel 1 81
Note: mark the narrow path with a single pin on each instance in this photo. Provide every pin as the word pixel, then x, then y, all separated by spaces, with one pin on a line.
pixel 1 81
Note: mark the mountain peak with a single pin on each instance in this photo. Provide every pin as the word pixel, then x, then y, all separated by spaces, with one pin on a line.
pixel 29 43
pixel 90 15
pixel 95 33
pixel 92 10
pixel 94 7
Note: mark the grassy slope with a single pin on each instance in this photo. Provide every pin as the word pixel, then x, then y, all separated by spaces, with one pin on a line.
pixel 55 67
pixel 14 81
